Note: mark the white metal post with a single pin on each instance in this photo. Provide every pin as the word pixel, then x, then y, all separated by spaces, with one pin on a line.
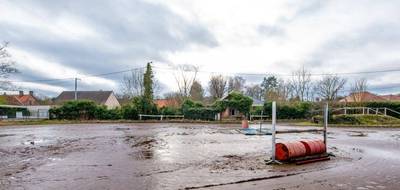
pixel 273 159
pixel 273 129
pixel 326 115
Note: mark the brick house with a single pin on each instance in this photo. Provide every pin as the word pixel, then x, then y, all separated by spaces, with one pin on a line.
pixel 18 99
pixel 106 98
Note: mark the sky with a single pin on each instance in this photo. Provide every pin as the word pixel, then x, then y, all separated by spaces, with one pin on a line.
pixel 68 39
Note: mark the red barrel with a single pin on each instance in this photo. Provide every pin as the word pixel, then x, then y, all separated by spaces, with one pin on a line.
pixel 287 150
pixel 314 147
pixel 245 124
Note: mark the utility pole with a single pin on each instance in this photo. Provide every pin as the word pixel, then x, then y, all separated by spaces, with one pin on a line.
pixel 76 89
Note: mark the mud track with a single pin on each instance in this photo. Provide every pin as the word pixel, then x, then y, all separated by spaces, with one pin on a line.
pixel 187 156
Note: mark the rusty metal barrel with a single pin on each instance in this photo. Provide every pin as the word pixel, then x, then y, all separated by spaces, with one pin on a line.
pixel 245 124
pixel 287 150
pixel 314 147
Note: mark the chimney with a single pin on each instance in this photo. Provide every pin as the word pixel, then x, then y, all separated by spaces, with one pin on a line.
pixel 31 93
pixel 21 93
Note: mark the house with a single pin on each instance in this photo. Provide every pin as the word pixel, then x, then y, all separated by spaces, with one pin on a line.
pixel 368 97
pixel 21 101
pixel 106 98
pixel 18 98
pixel 232 114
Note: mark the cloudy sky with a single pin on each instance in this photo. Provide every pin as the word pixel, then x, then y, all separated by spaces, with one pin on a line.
pixel 66 39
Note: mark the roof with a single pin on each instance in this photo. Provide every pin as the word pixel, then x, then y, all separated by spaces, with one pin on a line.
pixel 391 97
pixel 99 97
pixel 18 100
pixel 362 97
pixel 166 103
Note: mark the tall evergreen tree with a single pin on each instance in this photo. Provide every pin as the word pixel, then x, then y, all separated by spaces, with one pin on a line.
pixel 148 83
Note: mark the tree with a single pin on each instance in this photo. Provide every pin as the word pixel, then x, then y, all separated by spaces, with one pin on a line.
pixel 329 86
pixel 132 84
pixel 148 83
pixel 301 84
pixel 197 91
pixel 270 83
pixel 217 86
pixel 185 75
pixel 6 66
pixel 254 91
pixel 357 90
pixel 236 83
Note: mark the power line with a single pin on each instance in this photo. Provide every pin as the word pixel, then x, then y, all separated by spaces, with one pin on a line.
pixel 72 78
pixel 280 74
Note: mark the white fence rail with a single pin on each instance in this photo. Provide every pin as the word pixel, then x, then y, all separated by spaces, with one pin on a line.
pixel 141 116
pixel 366 110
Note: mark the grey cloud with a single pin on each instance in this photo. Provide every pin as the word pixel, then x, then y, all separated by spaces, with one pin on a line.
pixel 142 32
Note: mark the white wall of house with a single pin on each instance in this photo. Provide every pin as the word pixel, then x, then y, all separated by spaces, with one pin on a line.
pixel 112 102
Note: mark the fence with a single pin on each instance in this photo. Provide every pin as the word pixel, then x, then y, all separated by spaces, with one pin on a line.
pixel 366 110
pixel 141 116
pixel 30 112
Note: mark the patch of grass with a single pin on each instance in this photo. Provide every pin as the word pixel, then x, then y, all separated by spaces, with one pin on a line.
pixel 364 120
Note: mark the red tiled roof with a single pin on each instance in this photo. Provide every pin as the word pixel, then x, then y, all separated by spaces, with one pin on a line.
pixel 166 103
pixel 391 97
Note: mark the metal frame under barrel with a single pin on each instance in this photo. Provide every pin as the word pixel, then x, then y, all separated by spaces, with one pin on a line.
pixel 274 131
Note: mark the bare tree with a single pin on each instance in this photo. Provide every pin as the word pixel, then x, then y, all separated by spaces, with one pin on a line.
pixel 7 66
pixel 132 84
pixel 197 91
pixel 255 91
pixel 236 83
pixel 185 75
pixel 301 84
pixel 217 86
pixel 357 90
pixel 329 86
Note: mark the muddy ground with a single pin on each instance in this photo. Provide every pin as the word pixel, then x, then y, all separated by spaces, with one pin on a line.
pixel 188 156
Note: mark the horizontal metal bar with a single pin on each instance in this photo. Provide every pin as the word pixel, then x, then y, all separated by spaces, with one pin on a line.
pixel 300 131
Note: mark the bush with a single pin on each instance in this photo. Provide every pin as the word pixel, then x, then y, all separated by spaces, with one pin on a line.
pixel 81 109
pixel 292 110
pixel 102 113
pixel 129 112
pixel 200 113
pixel 236 101
pixel 143 106
pixel 11 112
pixel 357 119
pixel 170 111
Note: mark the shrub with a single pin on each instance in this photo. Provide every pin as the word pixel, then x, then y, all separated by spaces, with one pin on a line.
pixel 200 113
pixel 102 113
pixel 290 110
pixel 170 111
pixel 143 106
pixel 357 119
pixel 81 109
pixel 129 112
pixel 11 112
pixel 236 101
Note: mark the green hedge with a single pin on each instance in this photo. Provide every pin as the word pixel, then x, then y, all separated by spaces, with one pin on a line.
pixel 196 111
pixel 200 114
pixel 358 119
pixel 11 112
pixel 290 110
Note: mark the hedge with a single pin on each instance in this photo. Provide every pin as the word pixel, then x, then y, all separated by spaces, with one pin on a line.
pixel 200 113
pixel 11 112
pixel 290 110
